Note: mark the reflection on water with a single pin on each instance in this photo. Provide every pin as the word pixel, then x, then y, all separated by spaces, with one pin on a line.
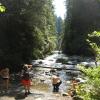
pixel 40 86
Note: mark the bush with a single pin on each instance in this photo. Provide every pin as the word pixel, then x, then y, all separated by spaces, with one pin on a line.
pixel 91 89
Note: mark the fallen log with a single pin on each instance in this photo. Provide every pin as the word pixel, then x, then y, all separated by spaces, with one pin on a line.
pixel 63 68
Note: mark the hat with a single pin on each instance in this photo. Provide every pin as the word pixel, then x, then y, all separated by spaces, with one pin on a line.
pixel 25 65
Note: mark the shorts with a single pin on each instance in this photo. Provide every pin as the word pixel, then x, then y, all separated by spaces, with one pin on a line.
pixel 26 82
pixel 5 78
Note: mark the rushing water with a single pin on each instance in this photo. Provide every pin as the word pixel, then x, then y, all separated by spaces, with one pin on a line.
pixel 59 61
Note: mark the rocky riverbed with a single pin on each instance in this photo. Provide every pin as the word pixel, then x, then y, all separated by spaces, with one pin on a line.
pixel 39 91
pixel 41 87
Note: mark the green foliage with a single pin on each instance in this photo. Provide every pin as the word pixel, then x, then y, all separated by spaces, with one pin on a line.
pixel 94 41
pixel 82 18
pixel 59 31
pixel 2 8
pixel 91 89
pixel 27 31
pixel 52 42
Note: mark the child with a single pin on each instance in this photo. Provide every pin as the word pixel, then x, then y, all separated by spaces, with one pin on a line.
pixel 26 80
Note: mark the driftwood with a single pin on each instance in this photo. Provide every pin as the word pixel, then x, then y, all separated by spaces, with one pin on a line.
pixel 63 68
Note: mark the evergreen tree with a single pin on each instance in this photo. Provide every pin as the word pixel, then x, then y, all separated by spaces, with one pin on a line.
pixel 82 18
pixel 59 31
pixel 26 30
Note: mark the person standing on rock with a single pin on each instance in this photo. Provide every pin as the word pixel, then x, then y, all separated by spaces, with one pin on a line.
pixel 56 82
pixel 26 80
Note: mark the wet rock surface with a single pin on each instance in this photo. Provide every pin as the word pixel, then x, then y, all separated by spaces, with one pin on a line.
pixel 38 92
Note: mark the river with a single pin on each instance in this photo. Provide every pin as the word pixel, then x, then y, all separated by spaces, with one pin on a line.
pixel 65 66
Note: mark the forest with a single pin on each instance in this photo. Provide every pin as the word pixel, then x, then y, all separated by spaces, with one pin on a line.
pixel 27 31
pixel 30 30
pixel 82 27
